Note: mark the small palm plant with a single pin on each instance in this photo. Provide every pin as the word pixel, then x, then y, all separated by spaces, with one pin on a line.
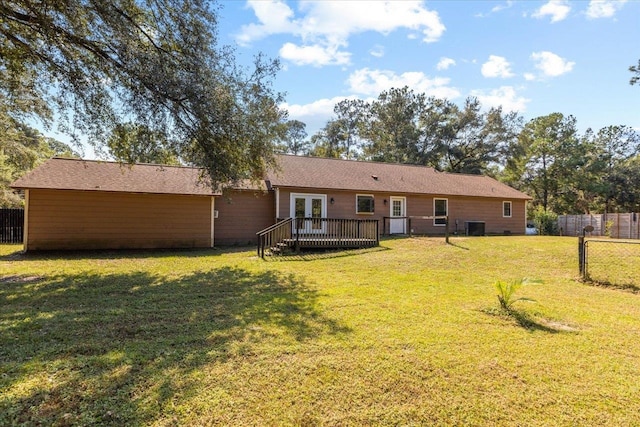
pixel 506 291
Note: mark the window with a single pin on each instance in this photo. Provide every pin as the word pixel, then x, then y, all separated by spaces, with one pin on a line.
pixel 364 204
pixel 506 209
pixel 440 208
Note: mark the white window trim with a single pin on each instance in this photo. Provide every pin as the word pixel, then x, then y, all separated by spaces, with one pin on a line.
pixel 374 204
pixel 510 209
pixel 434 210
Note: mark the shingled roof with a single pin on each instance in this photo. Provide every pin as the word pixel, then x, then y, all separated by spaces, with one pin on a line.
pixel 91 175
pixel 315 172
pixel 294 171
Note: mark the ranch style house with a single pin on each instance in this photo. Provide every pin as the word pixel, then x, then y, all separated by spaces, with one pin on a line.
pixel 88 204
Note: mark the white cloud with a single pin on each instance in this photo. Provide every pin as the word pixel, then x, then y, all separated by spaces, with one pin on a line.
pixel 315 114
pixel 500 7
pixel 321 107
pixel 504 96
pixel 372 82
pixel 445 63
pixel 496 66
pixel 315 55
pixel 327 25
pixel 604 8
pixel 496 9
pixel 557 9
pixel 274 12
pixel 551 64
pixel 377 51
pixel 529 76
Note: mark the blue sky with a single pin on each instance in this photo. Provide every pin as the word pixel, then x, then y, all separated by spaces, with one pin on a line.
pixel 535 57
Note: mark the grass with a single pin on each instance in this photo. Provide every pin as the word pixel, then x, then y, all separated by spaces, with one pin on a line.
pixel 406 334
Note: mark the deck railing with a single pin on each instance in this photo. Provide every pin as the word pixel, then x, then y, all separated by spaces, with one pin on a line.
pixel 274 236
pixel 318 233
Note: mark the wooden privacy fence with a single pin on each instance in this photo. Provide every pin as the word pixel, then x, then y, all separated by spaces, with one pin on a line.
pixel 11 225
pixel 614 225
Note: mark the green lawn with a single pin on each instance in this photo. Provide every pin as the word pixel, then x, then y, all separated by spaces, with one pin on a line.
pixel 406 334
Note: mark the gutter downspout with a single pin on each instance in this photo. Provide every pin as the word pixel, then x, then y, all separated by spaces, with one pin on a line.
pixel 213 214
pixel 25 230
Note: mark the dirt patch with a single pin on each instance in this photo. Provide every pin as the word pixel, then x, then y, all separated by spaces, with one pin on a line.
pixel 558 326
pixel 20 279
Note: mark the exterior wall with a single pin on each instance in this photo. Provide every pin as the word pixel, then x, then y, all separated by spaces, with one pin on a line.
pixel 241 215
pixel 67 219
pixel 461 209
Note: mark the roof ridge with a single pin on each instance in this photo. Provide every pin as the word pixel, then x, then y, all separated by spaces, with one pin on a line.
pixel 374 162
pixel 114 162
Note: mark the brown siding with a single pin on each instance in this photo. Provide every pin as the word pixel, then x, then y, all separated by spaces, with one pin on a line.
pixel 241 215
pixel 68 219
pixel 462 209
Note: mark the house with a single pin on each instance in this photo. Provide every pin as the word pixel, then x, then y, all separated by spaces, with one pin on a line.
pixel 85 204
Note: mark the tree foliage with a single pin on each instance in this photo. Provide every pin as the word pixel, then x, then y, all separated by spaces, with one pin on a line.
pixel 547 158
pixel 329 141
pixel 156 64
pixel 294 139
pixel 131 143
pixel 549 144
pixel 390 125
pixel 406 127
pixel 22 148
pixel 350 116
pixel 635 69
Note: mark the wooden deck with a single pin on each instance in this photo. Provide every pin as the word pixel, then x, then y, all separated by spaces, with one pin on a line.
pixel 332 242
pixel 320 233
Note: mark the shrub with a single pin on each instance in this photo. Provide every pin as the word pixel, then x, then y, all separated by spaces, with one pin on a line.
pixel 545 221
pixel 506 291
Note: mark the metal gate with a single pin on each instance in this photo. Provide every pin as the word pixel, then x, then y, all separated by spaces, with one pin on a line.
pixel 611 262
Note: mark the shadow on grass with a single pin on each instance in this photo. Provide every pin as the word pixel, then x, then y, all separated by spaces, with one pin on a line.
pixel 317 254
pixel 626 287
pixel 119 349
pixel 457 245
pixel 119 253
pixel 528 322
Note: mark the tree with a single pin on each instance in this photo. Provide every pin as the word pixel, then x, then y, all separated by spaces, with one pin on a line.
pixel 551 150
pixel 635 69
pixel 391 125
pixel 157 64
pixel 350 115
pixel 22 148
pixel 610 149
pixel 133 143
pixel 473 140
pixel 329 141
pixel 295 138
pixel 434 128
pixel 625 184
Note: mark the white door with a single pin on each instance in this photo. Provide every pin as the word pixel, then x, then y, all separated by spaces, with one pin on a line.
pixel 398 209
pixel 312 207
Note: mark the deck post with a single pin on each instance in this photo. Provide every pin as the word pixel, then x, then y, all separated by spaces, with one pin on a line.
pixel 446 229
pixel 410 229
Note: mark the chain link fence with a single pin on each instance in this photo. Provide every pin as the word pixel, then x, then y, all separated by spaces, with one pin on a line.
pixel 611 262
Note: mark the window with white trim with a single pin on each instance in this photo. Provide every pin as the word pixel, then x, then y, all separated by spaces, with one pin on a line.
pixel 365 204
pixel 506 209
pixel 440 208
